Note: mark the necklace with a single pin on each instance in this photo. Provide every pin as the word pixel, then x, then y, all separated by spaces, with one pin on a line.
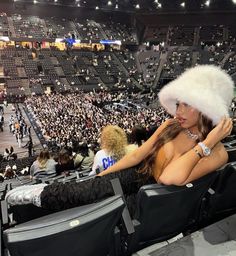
pixel 191 135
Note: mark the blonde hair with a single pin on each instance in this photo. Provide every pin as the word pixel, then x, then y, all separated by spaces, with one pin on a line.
pixel 169 133
pixel 43 158
pixel 114 141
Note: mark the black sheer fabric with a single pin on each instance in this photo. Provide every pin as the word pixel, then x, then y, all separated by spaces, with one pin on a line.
pixel 59 196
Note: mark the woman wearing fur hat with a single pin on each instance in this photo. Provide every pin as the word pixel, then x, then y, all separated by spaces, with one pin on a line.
pixel 181 150
pixel 187 147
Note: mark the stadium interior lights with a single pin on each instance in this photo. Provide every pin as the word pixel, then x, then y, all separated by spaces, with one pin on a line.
pixel 35 1
pixel 97 8
pixel 109 3
pixel 207 3
pixel 116 6
pixel 137 6
pixel 55 1
pixel 234 1
pixel 182 4
pixel 159 5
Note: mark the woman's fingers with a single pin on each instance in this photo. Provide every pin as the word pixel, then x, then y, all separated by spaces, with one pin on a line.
pixel 227 126
pixel 222 123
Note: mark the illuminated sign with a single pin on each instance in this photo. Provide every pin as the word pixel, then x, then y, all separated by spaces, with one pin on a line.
pixel 110 42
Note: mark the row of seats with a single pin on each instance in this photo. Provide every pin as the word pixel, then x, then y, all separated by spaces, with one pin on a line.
pixel 161 213
pixel 216 239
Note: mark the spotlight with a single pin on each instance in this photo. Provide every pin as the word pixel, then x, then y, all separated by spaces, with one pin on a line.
pixel 182 4
pixel 207 3
pixel 137 6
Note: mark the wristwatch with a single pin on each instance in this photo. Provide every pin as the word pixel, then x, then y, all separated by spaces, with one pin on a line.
pixel 205 150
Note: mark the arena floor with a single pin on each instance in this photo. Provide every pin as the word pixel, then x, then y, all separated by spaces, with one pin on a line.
pixel 7 139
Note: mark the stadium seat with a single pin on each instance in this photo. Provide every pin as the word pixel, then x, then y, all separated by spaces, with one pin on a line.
pixel 87 230
pixel 229 139
pixel 231 153
pixel 221 199
pixel 27 212
pixel 164 211
pixel 216 239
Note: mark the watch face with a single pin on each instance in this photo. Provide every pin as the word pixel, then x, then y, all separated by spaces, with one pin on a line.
pixel 207 152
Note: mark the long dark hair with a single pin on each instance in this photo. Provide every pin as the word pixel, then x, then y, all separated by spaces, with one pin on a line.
pixel 83 149
pixel 205 125
pixel 64 157
pixel 138 134
pixel 169 133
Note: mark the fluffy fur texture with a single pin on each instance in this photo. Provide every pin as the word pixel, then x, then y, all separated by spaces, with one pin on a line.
pixel 207 88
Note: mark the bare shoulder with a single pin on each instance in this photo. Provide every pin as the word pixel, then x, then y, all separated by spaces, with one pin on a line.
pixel 162 127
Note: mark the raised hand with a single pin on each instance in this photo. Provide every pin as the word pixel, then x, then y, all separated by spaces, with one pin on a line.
pixel 220 131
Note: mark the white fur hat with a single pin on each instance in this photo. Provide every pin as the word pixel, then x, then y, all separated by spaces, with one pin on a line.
pixel 207 88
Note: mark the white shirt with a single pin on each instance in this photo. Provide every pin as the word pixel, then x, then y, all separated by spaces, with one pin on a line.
pixel 102 161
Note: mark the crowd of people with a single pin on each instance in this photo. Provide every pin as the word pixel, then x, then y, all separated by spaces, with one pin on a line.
pixel 113 146
pixel 76 117
pixel 19 127
pixel 180 151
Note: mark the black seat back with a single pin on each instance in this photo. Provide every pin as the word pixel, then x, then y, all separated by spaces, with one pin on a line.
pixel 27 212
pixel 165 211
pixel 86 230
pixel 222 201
pixel 216 239
pixel 231 153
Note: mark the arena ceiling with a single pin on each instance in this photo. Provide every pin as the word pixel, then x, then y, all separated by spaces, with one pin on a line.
pixel 141 6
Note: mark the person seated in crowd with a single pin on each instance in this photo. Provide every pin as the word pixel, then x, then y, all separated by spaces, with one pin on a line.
pixel 84 158
pixel 65 162
pixel 44 165
pixel 113 148
pixel 180 151
pixel 136 138
pixel 6 154
pixel 9 172
pixel 9 154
